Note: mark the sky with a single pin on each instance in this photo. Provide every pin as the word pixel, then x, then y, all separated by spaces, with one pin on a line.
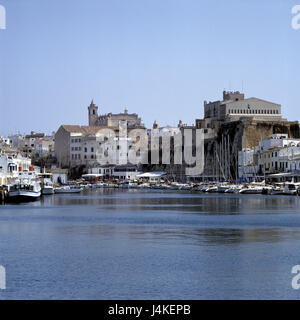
pixel 159 58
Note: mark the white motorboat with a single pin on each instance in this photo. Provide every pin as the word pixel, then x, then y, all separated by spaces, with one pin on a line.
pixel 288 189
pixel 252 190
pixel 212 189
pixel 127 184
pixel 222 188
pixel 256 188
pixel 175 186
pixel 143 186
pixel 68 189
pixel 25 188
pixel 48 189
pixel 46 183
pixel 233 189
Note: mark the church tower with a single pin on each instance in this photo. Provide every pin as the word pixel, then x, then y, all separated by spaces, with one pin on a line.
pixel 93 114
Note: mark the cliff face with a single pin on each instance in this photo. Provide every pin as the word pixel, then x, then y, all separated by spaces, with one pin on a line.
pixel 221 153
pixel 255 131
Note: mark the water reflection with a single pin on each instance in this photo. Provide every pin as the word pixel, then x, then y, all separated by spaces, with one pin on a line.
pixel 129 244
pixel 136 200
pixel 184 236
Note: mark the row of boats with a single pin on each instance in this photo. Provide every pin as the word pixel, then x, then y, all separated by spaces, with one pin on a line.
pixel 286 188
pixel 29 186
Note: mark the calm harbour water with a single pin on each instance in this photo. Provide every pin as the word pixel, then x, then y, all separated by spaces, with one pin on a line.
pixel 132 244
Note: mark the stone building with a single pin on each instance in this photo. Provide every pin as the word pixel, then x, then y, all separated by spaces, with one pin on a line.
pixel 84 146
pixel 275 155
pixel 111 119
pixel 89 146
pixel 236 124
pixel 234 107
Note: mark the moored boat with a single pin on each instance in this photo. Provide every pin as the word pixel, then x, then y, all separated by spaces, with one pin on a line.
pixel 68 189
pixel 26 188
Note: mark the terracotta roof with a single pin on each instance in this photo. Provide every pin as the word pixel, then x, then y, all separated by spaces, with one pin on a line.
pixel 72 128
pixel 91 129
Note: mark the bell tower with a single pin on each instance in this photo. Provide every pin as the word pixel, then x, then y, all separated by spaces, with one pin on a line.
pixel 93 114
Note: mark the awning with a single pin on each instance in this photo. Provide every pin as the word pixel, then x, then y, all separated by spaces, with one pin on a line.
pixel 12 164
pixel 92 175
pixel 277 175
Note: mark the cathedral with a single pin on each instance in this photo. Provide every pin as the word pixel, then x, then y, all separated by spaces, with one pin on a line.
pixel 111 119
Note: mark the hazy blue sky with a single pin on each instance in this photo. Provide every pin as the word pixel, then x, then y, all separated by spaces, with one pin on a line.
pixel 159 58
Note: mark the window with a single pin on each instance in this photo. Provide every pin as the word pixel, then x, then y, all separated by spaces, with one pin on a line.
pixel 85 149
pixel 92 149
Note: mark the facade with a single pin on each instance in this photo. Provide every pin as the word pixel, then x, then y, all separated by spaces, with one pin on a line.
pixel 91 146
pixel 121 172
pixel 17 141
pixel 104 141
pixel 64 137
pixel 59 176
pixel 10 165
pixel 45 146
pixel 126 172
pixel 278 154
pixel 237 124
pixel 235 107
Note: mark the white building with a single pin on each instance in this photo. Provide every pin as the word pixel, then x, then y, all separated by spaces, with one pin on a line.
pixel 278 154
pixel 17 141
pixel 10 166
pixel 92 146
pixel 120 172
pixel 45 146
